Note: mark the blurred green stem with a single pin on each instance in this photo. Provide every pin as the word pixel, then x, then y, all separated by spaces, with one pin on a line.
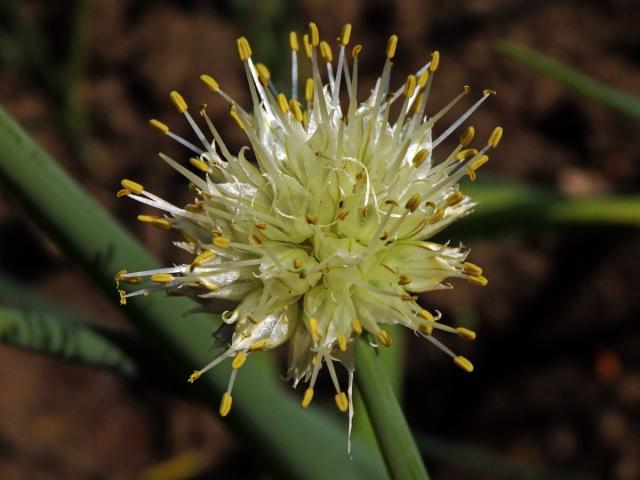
pixel 621 101
pixel 510 208
pixel 399 450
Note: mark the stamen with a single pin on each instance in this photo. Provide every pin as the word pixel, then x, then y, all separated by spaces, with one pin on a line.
pixel 307 397
pixel 131 186
pixel 463 363
pixel 158 125
pixel 225 404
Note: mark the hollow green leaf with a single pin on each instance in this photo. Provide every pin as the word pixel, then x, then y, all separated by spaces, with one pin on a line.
pixel 620 101
pixel 295 443
pixel 396 443
pixel 509 208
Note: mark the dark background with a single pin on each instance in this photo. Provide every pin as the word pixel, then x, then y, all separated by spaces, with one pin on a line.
pixel 557 379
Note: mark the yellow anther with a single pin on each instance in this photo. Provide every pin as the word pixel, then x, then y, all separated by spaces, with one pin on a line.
pixel 494 138
pixel 345 34
pixel 437 216
pixel 225 404
pixel 158 125
pixel 467 89
pixel 426 329
pixel 480 161
pixel 297 263
pixel 307 397
pixel 385 338
pixel 466 333
pixel 264 75
pixel 311 218
pixel 342 342
pixel 419 158
pixel 417 102
pixel 426 315
pixel 162 278
pixel 118 276
pixel 155 221
pixel 364 213
pixel 422 79
pixel 341 401
pixel 404 280
pixel 413 203
pixel 296 110
pixel 238 360
pixel 259 345
pixel 244 49
pixel 194 376
pixel 133 187
pixel 123 297
pixel 314 35
pixel 325 51
pixel 471 268
pixel 178 101
pixel 435 61
pixel 222 241
pixel 261 226
pixel 313 328
pixel 478 280
pixel 392 43
pixel 210 82
pixel 308 49
pixel 123 192
pixel 463 363
pixel 342 214
pixel 472 174
pixel 467 136
pixel 293 41
pixel 356 326
pixel 410 86
pixel 454 199
pixel 282 103
pixel 466 154
pixel 204 257
pixel 487 92
pixel 199 164
pixel 408 298
pixel 356 51
pixel 391 202
pixel 305 117
pixel 308 90
pixel 236 118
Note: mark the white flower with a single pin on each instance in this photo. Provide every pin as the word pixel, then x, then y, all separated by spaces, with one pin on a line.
pixel 328 236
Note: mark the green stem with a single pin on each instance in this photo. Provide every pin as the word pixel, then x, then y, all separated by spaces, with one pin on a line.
pixel 621 101
pixel 398 447
pixel 270 422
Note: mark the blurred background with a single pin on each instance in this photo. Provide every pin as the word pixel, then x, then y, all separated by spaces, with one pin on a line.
pixel 556 392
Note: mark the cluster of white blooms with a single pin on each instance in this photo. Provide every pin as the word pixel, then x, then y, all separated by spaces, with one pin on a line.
pixel 326 238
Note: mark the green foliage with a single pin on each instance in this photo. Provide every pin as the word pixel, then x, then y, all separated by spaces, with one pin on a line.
pixel 620 101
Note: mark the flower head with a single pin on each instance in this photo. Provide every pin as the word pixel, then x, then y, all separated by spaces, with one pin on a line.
pixel 327 237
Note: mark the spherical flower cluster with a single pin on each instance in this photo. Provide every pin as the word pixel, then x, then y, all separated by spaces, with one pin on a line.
pixel 326 238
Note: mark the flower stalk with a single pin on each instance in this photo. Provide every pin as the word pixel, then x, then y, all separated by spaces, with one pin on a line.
pixel 401 455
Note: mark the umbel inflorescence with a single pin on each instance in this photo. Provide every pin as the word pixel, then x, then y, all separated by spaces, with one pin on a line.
pixel 327 237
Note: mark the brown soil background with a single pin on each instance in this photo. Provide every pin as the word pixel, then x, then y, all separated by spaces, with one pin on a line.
pixel 558 368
